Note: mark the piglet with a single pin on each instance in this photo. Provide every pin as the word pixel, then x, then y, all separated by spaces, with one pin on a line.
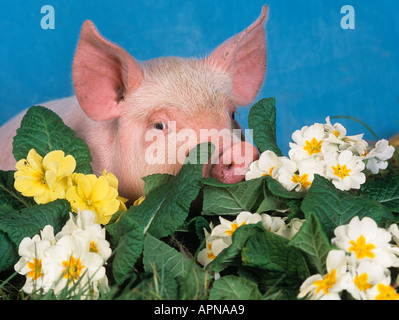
pixel 142 118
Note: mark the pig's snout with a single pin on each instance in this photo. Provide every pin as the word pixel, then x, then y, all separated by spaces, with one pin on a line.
pixel 233 164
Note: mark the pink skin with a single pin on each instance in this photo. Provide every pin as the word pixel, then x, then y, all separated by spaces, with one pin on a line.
pixel 119 102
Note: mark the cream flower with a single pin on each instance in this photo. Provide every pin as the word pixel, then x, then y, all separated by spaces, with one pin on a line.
pixel 32 252
pixel 363 275
pixel 378 156
pixel 73 267
pixel 364 239
pixel 84 227
pixel 382 291
pixel 299 175
pixel 214 246
pixel 345 170
pixel 308 142
pixel 268 164
pixel 226 228
pixel 329 286
pixel 274 224
pixel 44 179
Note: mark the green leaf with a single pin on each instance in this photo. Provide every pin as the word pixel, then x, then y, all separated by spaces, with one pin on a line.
pixel 383 191
pixel 31 220
pixel 159 256
pixel 44 131
pixel 313 242
pixel 127 236
pixel 9 252
pixel 155 180
pixel 262 120
pixel 230 199
pixel 10 198
pixel 270 252
pixel 231 287
pixel 334 207
pixel 167 206
pixel 161 286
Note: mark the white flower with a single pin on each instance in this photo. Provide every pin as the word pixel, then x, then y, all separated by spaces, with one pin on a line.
pixel 345 170
pixel 221 236
pixel 73 267
pixel 308 142
pixel 278 226
pixel 32 252
pixel 83 226
pixel 214 245
pixel 336 132
pixel 329 286
pixel 226 228
pixel 364 275
pixel 268 164
pixel 364 239
pixel 293 227
pixel 336 136
pixel 273 224
pixel 299 175
pixel 377 157
pixel 382 291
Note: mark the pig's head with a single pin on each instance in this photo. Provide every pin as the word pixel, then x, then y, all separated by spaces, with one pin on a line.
pixel 157 110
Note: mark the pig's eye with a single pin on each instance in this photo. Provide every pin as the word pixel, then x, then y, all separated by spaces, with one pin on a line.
pixel 160 125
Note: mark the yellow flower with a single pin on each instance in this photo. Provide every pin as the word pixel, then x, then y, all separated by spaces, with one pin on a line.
pixel 139 201
pixel 96 194
pixel 113 182
pixel 44 179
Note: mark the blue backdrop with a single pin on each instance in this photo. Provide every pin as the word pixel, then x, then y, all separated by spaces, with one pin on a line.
pixel 315 67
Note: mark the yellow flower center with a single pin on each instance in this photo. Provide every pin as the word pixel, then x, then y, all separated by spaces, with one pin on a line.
pixel 211 255
pixel 93 247
pixel 73 268
pixel 234 227
pixel 270 172
pixel 328 281
pixel 361 248
pixel 336 133
pixel 341 172
pixel 303 180
pixel 386 293
pixel 313 146
pixel 36 268
pixel 361 282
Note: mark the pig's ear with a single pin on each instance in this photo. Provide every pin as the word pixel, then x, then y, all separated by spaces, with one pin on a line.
pixel 102 75
pixel 244 56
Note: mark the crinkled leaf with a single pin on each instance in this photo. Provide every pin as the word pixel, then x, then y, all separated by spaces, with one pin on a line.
pixel 31 220
pixel 313 242
pixel 155 180
pixel 127 236
pixel 262 120
pixel 44 131
pixel 234 288
pixel 8 252
pixel 167 206
pixel 334 207
pixel 230 199
pixel 158 255
pixel 270 253
pixel 385 191
pixel 231 256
